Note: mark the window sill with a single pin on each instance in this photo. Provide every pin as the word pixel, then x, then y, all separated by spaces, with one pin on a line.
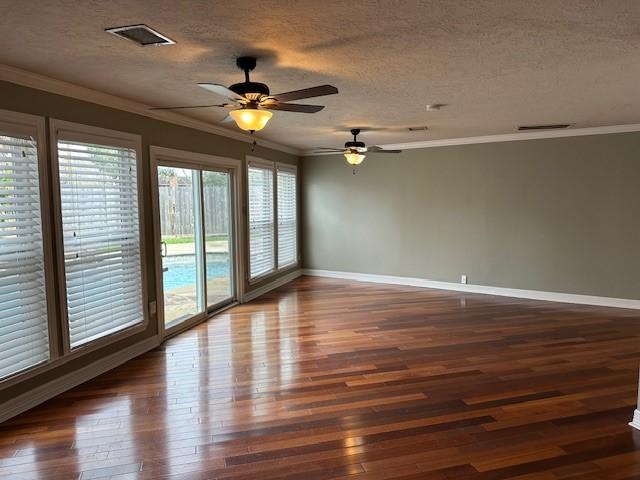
pixel 273 273
pixel 72 354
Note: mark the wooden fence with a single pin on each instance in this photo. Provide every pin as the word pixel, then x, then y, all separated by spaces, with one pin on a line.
pixel 176 210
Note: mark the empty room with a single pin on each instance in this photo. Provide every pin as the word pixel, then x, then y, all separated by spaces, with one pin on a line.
pixel 370 240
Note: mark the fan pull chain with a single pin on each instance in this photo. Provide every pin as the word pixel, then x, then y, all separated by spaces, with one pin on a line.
pixel 253 144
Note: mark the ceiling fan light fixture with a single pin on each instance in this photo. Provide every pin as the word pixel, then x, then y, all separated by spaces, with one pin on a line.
pixel 251 99
pixel 354 158
pixel 251 119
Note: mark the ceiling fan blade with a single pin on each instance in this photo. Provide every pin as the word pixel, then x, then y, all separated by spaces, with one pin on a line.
pixel 193 106
pixel 328 150
pixel 227 119
pixel 318 91
pixel 222 91
pixel 376 149
pixel 293 107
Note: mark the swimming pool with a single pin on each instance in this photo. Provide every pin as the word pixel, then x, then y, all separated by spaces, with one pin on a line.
pixel 181 269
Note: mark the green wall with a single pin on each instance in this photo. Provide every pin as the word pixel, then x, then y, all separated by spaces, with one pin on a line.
pixel 559 215
pixel 154 132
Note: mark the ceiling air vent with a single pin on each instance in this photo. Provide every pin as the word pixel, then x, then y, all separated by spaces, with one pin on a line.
pixel 558 126
pixel 141 34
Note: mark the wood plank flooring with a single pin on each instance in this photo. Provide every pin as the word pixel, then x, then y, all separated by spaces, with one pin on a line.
pixel 331 379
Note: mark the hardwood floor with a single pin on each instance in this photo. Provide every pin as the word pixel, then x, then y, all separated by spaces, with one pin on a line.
pixel 330 379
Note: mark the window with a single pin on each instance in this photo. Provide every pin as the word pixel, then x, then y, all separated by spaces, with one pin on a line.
pixel 261 228
pixel 24 334
pixel 269 247
pixel 287 216
pixel 98 182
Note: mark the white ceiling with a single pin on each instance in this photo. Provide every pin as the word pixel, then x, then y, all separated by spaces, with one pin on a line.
pixel 496 64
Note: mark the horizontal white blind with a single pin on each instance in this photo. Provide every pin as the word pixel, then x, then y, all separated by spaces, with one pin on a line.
pixel 100 223
pixel 287 218
pixel 24 337
pixel 261 228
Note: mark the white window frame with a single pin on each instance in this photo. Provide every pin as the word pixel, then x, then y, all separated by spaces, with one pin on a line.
pixel 265 164
pixel 287 167
pixel 187 159
pixel 60 129
pixel 273 166
pixel 14 123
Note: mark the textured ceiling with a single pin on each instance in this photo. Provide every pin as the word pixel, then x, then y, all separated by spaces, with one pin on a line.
pixel 496 64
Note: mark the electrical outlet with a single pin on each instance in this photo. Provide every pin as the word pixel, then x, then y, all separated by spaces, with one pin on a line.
pixel 463 279
pixel 152 308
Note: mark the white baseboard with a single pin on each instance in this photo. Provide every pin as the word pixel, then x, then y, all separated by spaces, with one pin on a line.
pixel 253 294
pixel 635 423
pixel 42 393
pixel 488 290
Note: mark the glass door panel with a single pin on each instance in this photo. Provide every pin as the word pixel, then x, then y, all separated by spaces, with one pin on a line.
pixel 218 247
pixel 181 243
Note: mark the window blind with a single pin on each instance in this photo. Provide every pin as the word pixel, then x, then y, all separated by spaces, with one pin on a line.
pixel 287 218
pixel 24 337
pixel 261 227
pixel 101 235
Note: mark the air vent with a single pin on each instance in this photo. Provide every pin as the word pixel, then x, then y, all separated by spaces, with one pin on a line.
pixel 559 126
pixel 418 129
pixel 141 34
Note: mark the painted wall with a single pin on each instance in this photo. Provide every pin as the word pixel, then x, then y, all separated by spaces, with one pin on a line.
pixel 154 132
pixel 559 215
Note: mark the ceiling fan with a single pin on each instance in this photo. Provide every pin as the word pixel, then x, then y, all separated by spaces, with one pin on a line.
pixel 354 151
pixel 251 101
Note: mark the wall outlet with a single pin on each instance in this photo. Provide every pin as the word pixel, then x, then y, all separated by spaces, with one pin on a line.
pixel 152 308
pixel 463 279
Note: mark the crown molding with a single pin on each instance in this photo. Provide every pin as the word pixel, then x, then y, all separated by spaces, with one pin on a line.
pixel 504 137
pixel 60 87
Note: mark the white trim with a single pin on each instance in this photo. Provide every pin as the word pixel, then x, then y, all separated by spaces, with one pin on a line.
pixel 196 158
pixel 635 423
pixel 47 84
pixel 278 282
pixel 79 132
pixel 287 167
pixel 503 137
pixel 259 162
pixel 487 290
pixel 22 123
pixel 21 403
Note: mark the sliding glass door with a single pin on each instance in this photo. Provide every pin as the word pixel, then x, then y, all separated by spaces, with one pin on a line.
pixel 216 194
pixel 195 209
pixel 181 242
